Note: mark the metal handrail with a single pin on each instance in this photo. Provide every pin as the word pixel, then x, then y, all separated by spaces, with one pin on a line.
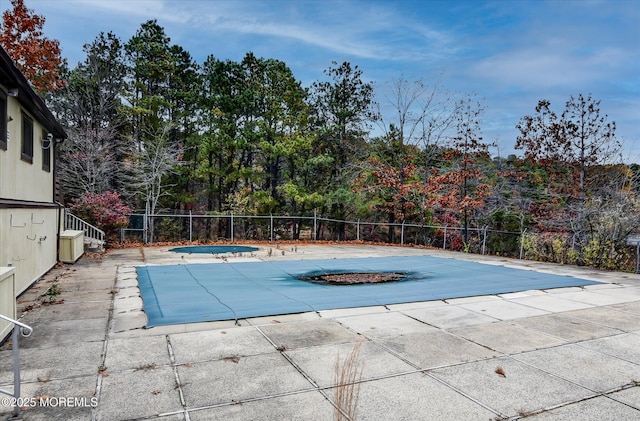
pixel 25 331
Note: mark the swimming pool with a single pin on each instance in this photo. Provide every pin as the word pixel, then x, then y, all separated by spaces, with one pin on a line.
pixel 188 293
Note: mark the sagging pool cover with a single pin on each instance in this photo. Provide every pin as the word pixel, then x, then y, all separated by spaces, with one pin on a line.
pixel 189 293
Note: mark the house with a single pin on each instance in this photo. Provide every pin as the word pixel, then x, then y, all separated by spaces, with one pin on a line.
pixel 30 216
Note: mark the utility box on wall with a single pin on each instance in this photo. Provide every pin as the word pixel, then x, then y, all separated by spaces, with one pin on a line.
pixel 7 298
pixel 71 246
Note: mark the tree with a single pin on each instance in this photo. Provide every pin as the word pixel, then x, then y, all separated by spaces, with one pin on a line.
pixel 460 190
pixel 149 168
pixel 218 152
pixel 161 92
pixel 568 147
pixel 90 109
pixel 253 117
pixel 588 138
pixel 105 210
pixel 341 115
pixel 414 114
pixel 392 179
pixel 509 201
pixel 36 56
pixel 182 96
pixel 150 65
pixel 421 114
pixel 86 164
pixel 279 113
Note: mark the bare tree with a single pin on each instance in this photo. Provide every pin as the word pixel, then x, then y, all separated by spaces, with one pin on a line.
pixel 89 107
pixel 415 113
pixel 152 161
pixel 590 138
pixel 422 114
pixel 86 163
pixel 573 144
pixel 464 185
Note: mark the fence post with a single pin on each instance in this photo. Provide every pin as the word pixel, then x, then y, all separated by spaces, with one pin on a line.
pixel 522 243
pixel 315 225
pixel 484 240
pixel 402 234
pixel 358 230
pixel 444 240
pixel 190 227
pixel 638 257
pixel 271 229
pixel 232 227
pixel 145 224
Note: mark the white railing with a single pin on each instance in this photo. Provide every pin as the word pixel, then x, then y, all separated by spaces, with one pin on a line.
pixel 25 331
pixel 94 235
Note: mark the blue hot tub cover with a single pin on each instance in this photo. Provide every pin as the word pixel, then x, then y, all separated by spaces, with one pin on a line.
pixel 213 249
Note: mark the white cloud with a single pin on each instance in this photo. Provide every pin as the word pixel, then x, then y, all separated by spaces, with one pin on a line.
pixel 158 9
pixel 546 67
pixel 373 33
pixel 510 56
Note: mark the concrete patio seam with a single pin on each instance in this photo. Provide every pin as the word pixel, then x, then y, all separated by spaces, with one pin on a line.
pixel 557 406
pixel 462 393
pixel 288 358
pixel 603 324
pixel 581 345
pixel 172 360
pixel 474 311
pixel 105 344
pixel 558 376
pixel 255 399
pixel 621 401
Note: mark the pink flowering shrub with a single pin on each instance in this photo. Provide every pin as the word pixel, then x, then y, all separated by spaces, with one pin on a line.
pixel 106 211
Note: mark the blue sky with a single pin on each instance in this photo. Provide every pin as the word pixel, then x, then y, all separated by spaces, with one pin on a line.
pixel 507 53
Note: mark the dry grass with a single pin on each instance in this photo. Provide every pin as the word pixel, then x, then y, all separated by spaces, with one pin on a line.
pixel 145 367
pixel 347 377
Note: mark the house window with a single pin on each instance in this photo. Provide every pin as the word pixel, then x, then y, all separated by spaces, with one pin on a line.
pixel 47 144
pixel 3 121
pixel 27 138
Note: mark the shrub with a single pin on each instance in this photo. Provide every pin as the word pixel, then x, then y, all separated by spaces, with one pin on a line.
pixel 547 247
pixel 105 210
pixel 560 248
pixel 607 255
pixel 456 243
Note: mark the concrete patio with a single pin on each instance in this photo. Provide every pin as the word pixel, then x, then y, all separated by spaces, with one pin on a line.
pixel 569 353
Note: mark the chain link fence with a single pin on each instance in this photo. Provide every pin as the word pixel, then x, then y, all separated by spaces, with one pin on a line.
pixel 551 247
pixel 192 227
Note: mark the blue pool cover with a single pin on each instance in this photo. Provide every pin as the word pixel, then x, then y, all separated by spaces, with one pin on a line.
pixel 213 249
pixel 174 294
